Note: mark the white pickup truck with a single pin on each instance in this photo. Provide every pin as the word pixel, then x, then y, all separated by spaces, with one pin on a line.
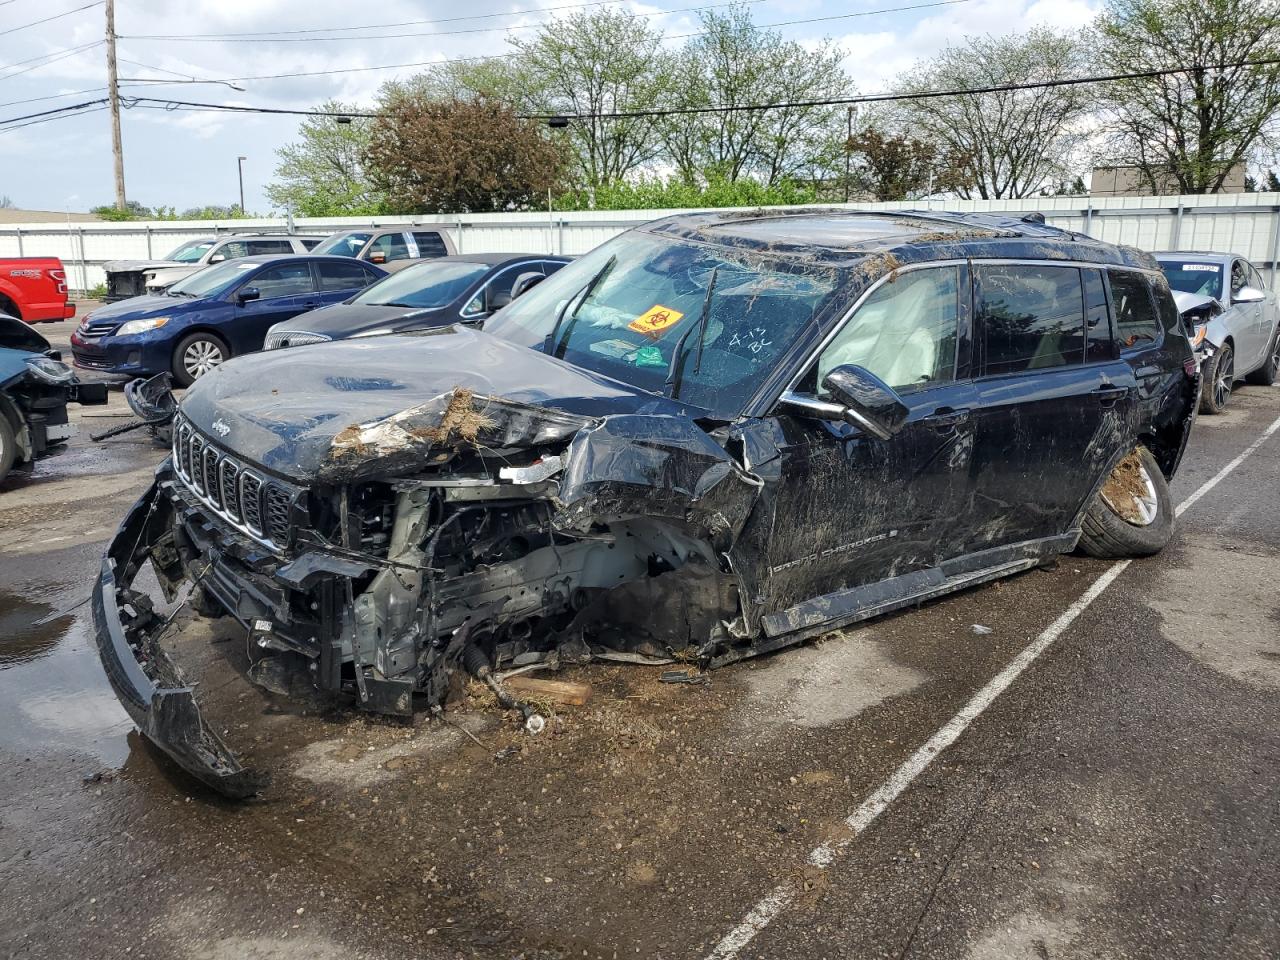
pixel 134 278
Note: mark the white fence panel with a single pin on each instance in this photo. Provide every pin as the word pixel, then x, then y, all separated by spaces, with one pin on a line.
pixel 1248 224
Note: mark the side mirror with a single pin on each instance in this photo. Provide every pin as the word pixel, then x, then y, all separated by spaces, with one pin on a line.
pixel 499 299
pixel 377 257
pixel 1248 295
pixel 217 258
pixel 246 294
pixel 526 282
pixel 860 398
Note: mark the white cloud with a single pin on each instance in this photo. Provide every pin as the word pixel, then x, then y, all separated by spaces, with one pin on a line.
pixel 184 159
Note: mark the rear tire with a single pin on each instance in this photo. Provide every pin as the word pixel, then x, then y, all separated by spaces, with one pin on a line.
pixel 1132 515
pixel 8 446
pixel 1265 375
pixel 1218 381
pixel 195 355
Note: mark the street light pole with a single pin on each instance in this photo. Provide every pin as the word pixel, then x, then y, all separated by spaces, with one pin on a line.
pixel 240 164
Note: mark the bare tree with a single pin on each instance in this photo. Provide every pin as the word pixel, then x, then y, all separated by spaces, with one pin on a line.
pixel 736 63
pixel 1188 130
pixel 1015 143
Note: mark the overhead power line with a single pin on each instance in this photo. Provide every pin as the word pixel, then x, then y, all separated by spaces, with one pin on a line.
pixel 56 16
pixel 286 36
pixel 52 57
pixel 338 71
pixel 168 104
pixel 539 25
pixel 251 34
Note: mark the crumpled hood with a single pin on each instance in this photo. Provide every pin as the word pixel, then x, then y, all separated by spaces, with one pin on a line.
pixel 130 266
pixel 1190 301
pixel 13 366
pixel 283 409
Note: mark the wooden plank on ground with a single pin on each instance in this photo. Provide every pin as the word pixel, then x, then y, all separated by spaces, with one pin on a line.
pixel 558 691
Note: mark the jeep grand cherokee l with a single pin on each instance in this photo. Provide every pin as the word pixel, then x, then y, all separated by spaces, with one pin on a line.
pixel 714 436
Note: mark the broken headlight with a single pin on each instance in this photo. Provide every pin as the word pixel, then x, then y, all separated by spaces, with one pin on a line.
pixel 1198 335
pixel 49 370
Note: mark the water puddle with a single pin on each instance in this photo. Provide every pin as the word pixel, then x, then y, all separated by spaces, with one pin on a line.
pixel 54 696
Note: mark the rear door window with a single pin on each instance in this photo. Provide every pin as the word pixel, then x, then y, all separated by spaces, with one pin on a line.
pixel 905 332
pixel 1032 316
pixel 286 280
pixel 343 276
pixel 430 243
pixel 1135 312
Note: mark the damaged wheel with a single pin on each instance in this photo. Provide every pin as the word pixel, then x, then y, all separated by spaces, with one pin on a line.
pixel 8 446
pixel 1219 378
pixel 1132 515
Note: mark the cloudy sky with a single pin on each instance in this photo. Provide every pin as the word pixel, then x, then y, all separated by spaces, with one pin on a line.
pixel 186 159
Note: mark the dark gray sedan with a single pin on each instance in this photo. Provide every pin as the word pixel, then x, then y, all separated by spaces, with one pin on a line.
pixel 456 289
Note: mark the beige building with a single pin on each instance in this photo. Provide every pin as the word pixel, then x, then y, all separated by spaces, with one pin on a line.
pixel 1129 182
pixel 10 215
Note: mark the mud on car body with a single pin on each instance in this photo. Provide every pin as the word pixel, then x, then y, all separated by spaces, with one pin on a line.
pixel 711 437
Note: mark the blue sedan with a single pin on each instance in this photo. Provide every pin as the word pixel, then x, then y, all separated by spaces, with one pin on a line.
pixel 220 312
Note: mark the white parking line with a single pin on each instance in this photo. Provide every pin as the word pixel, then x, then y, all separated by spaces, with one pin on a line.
pixel 764 912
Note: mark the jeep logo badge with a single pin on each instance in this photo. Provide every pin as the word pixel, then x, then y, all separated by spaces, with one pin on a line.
pixel 220 427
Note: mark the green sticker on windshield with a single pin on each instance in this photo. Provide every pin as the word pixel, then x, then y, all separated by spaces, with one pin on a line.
pixel 649 356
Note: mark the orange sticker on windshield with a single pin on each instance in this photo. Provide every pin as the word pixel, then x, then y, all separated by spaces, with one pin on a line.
pixel 655 320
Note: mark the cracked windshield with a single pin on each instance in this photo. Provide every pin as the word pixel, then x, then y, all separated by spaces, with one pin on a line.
pixel 669 317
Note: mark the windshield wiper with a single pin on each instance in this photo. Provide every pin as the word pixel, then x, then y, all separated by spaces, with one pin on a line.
pixel 563 344
pixel 677 366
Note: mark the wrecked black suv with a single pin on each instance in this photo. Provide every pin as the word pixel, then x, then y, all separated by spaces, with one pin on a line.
pixel 712 437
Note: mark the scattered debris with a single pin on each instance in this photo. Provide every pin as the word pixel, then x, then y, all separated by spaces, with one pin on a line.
pixel 684 676
pixel 981 630
pixel 557 691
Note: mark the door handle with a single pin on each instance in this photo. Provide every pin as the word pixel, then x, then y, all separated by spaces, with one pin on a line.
pixel 947 418
pixel 1108 396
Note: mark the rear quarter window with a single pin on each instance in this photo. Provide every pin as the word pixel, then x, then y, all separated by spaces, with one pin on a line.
pixel 1137 324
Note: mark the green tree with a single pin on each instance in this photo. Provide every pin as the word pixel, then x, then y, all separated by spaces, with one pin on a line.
pixel 1188 130
pixel 458 156
pixel 734 62
pixel 1014 142
pixel 665 193
pixel 321 174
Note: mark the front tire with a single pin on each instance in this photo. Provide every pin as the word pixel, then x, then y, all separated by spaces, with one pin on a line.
pixel 8 447
pixel 1219 380
pixel 195 355
pixel 1132 515
pixel 1265 375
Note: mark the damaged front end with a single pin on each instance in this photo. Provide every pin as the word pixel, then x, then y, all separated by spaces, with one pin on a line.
pixel 454 537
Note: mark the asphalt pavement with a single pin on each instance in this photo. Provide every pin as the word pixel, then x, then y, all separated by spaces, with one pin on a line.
pixel 1114 793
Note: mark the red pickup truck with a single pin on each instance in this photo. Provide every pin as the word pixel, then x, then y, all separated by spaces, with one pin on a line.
pixel 34 289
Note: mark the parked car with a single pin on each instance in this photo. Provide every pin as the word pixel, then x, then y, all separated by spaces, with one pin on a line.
pixel 1232 320
pixel 712 437
pixel 34 289
pixel 135 278
pixel 220 312
pixel 35 388
pixel 458 289
pixel 392 249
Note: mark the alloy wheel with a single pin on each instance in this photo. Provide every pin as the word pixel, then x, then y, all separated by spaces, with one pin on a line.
pixel 201 357
pixel 1130 493
pixel 1224 378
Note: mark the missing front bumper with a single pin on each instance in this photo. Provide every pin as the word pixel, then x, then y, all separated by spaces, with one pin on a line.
pixel 147 683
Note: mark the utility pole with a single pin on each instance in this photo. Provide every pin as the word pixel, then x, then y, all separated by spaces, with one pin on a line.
pixel 848 153
pixel 240 163
pixel 113 96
